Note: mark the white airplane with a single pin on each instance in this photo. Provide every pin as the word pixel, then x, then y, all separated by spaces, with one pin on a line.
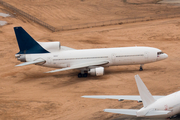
pixel 154 106
pixel 92 61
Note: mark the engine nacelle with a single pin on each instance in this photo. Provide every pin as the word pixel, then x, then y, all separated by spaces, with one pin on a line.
pixel 21 57
pixel 97 71
pixel 51 46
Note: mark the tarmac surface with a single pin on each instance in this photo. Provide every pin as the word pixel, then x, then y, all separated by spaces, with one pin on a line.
pixel 170 1
pixel 28 93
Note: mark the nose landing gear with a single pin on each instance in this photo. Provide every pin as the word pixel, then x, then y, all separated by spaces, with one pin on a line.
pixel 141 68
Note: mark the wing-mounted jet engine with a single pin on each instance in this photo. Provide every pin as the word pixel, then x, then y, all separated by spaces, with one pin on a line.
pixel 97 71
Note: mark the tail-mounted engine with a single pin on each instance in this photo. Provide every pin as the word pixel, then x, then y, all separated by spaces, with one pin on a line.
pixel 51 46
pixel 97 71
pixel 21 57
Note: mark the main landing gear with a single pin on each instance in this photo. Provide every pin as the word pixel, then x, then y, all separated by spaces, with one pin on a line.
pixel 82 75
pixel 174 116
pixel 141 68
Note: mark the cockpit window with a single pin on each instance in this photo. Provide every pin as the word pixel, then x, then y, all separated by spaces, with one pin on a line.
pixel 158 53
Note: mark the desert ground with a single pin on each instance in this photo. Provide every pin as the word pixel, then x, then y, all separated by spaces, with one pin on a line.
pixel 28 93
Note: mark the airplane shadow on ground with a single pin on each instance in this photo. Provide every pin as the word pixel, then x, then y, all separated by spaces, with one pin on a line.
pixel 67 78
pixel 126 117
pixel 60 79
pixel 116 71
pixel 73 79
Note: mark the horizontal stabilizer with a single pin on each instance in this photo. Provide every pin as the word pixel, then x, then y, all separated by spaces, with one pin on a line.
pixel 31 62
pixel 80 65
pixel 156 113
pixel 122 111
pixel 119 97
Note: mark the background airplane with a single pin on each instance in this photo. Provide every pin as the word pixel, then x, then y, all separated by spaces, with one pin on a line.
pixel 154 106
pixel 92 61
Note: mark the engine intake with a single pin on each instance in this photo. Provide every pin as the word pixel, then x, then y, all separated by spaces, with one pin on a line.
pixel 97 71
pixel 51 46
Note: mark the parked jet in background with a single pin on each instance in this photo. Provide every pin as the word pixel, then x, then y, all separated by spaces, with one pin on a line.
pixel 154 106
pixel 92 61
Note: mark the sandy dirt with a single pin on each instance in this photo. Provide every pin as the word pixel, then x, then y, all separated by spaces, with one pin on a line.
pixel 67 12
pixel 27 93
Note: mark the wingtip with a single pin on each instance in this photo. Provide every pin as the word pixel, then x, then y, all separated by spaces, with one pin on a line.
pixel 85 96
pixel 17 65
pixel 106 110
pixel 48 72
pixel 136 75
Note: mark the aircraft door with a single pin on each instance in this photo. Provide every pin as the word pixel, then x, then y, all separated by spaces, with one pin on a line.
pixel 113 58
pixel 49 61
pixel 146 56
pixel 174 102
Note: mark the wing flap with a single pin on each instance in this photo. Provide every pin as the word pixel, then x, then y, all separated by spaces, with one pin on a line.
pixel 31 62
pixel 119 97
pixel 81 65
pixel 156 113
pixel 122 111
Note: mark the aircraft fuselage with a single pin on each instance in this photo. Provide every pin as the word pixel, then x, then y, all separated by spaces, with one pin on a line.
pixel 115 56
pixel 168 103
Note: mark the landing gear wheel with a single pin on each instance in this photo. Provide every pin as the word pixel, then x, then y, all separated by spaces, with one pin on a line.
pixel 85 75
pixel 141 68
pixel 80 75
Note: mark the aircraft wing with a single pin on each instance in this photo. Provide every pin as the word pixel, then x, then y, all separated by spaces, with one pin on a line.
pixel 157 112
pixel 31 62
pixel 119 97
pixel 134 111
pixel 81 65
pixel 122 111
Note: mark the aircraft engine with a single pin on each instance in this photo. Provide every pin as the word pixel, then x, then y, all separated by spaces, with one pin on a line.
pixel 51 46
pixel 21 57
pixel 97 71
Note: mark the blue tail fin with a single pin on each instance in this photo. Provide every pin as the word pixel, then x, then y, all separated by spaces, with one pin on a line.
pixel 27 44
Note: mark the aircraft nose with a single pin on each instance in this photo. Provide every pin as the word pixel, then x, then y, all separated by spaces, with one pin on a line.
pixel 165 56
pixel 162 56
